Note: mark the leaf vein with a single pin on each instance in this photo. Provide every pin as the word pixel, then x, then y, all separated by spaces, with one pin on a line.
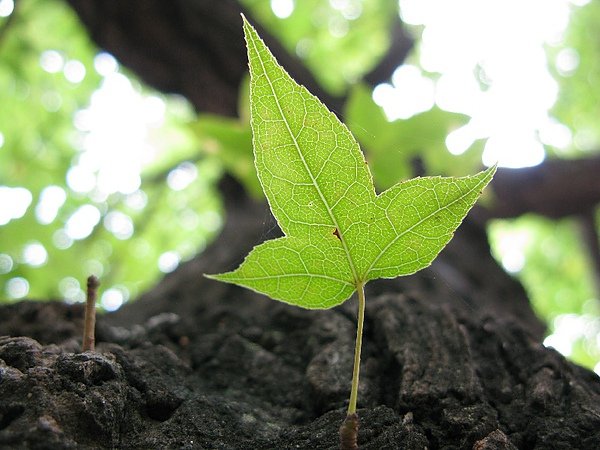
pixel 419 222
pixel 304 162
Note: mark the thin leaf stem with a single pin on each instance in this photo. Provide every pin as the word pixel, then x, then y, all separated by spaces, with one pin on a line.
pixel 359 332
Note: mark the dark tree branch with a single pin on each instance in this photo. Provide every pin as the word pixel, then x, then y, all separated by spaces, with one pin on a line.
pixel 401 43
pixel 589 232
pixel 175 47
pixel 556 188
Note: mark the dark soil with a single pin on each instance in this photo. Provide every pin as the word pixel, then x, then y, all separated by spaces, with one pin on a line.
pixel 452 359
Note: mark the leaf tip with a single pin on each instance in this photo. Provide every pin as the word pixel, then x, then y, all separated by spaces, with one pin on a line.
pixel 248 28
pixel 245 22
pixel 214 276
pixel 490 172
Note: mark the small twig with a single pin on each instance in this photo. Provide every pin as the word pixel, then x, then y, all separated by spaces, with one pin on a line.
pixel 89 338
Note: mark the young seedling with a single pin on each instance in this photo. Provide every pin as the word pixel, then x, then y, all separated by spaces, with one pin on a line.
pixel 339 234
pixel 89 323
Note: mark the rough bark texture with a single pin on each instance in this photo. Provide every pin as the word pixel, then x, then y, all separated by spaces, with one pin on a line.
pixel 452 356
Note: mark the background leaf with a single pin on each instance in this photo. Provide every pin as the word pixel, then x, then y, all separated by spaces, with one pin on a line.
pixel 393 147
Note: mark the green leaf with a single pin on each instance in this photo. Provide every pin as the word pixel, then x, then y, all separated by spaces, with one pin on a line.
pixel 295 270
pixel 417 220
pixel 339 233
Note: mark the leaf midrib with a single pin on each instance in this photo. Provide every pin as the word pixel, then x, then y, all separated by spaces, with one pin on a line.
pixel 285 275
pixel 304 163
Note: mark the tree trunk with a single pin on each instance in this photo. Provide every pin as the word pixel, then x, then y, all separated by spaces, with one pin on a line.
pixel 452 356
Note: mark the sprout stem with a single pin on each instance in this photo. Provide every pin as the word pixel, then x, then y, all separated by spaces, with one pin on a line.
pixel 359 332
pixel 349 428
pixel 89 324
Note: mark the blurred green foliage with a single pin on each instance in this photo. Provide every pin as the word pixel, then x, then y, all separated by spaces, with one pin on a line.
pixel 46 254
pixel 230 141
pixel 576 65
pixel 392 147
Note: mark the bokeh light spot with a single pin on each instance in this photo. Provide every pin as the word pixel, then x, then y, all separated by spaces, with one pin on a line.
pixel 137 200
pixel 17 288
pixel 105 64
pixel 410 93
pixel 35 254
pixel 50 202
pixel 119 224
pixel 168 261
pixel 113 298
pixel 51 101
pixel 6 7
pixel 15 202
pixel 74 71
pixel 282 8
pixel 181 177
pixel 52 61
pixel 567 61
pixel 70 289
pixel 61 239
pixel 82 222
pixel 6 263
pixel 81 179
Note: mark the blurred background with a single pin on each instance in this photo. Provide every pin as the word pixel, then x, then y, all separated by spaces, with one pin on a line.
pixel 100 174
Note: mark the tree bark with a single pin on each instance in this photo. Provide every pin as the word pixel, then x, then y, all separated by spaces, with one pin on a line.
pixel 555 189
pixel 452 356
pixel 190 47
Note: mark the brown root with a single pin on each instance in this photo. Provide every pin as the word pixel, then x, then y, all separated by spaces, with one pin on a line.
pixel 349 433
